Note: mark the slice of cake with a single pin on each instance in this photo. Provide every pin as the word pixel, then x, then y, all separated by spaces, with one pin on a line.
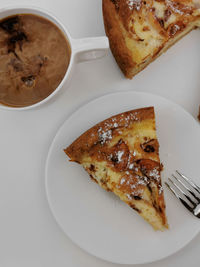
pixel 140 31
pixel 121 154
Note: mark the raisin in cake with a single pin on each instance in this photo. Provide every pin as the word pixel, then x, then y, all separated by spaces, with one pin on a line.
pixel 140 31
pixel 121 154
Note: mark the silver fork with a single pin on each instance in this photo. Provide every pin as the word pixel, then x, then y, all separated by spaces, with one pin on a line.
pixel 190 196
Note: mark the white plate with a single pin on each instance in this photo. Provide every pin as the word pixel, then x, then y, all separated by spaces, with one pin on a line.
pixel 98 221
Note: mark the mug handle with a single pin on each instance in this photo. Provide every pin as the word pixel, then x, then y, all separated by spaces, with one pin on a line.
pixel 87 49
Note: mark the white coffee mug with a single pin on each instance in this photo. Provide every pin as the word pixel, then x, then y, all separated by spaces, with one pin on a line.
pixel 81 49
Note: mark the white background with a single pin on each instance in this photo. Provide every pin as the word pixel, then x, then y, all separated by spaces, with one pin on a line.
pixel 29 236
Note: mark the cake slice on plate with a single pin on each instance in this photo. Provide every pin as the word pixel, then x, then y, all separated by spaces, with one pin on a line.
pixel 121 154
pixel 140 31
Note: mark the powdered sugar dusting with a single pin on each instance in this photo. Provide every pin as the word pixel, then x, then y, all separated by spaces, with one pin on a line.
pixel 175 7
pixel 133 184
pixel 155 174
pixel 174 29
pixel 134 4
pixel 160 189
pixel 105 131
pixel 128 118
pixel 104 135
pixel 119 155
pixel 122 181
pixel 141 182
pixel 131 166
pixel 129 196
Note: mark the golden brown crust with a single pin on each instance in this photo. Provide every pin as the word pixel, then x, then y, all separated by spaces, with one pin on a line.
pixel 116 38
pixel 140 31
pixel 91 136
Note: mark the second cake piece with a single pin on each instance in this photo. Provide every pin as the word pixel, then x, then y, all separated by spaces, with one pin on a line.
pixel 139 31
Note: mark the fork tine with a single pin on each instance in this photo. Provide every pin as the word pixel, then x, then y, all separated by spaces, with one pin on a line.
pixel 186 187
pixel 183 193
pixel 179 197
pixel 189 181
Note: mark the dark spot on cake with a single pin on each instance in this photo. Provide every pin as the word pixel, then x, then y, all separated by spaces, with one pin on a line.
pixel 179 26
pixel 137 197
pixel 149 148
pixel 104 182
pixel 149 188
pixel 76 161
pixel 134 207
pixel 92 178
pixel 161 22
pixel 120 142
pixel 92 168
pixel 116 3
pixel 167 14
pixel 114 159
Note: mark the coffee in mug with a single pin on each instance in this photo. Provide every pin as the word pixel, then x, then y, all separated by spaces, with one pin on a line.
pixel 34 57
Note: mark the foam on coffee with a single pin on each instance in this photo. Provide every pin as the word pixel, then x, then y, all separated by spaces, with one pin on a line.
pixel 34 57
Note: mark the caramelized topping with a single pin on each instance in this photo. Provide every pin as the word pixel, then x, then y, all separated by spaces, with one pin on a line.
pixel 119 155
pixel 150 169
pixel 167 14
pixel 130 9
pixel 150 146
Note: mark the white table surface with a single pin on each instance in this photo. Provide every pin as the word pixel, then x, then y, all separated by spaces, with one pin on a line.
pixel 29 235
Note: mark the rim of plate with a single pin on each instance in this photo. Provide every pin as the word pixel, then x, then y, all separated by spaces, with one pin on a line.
pixel 93 100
